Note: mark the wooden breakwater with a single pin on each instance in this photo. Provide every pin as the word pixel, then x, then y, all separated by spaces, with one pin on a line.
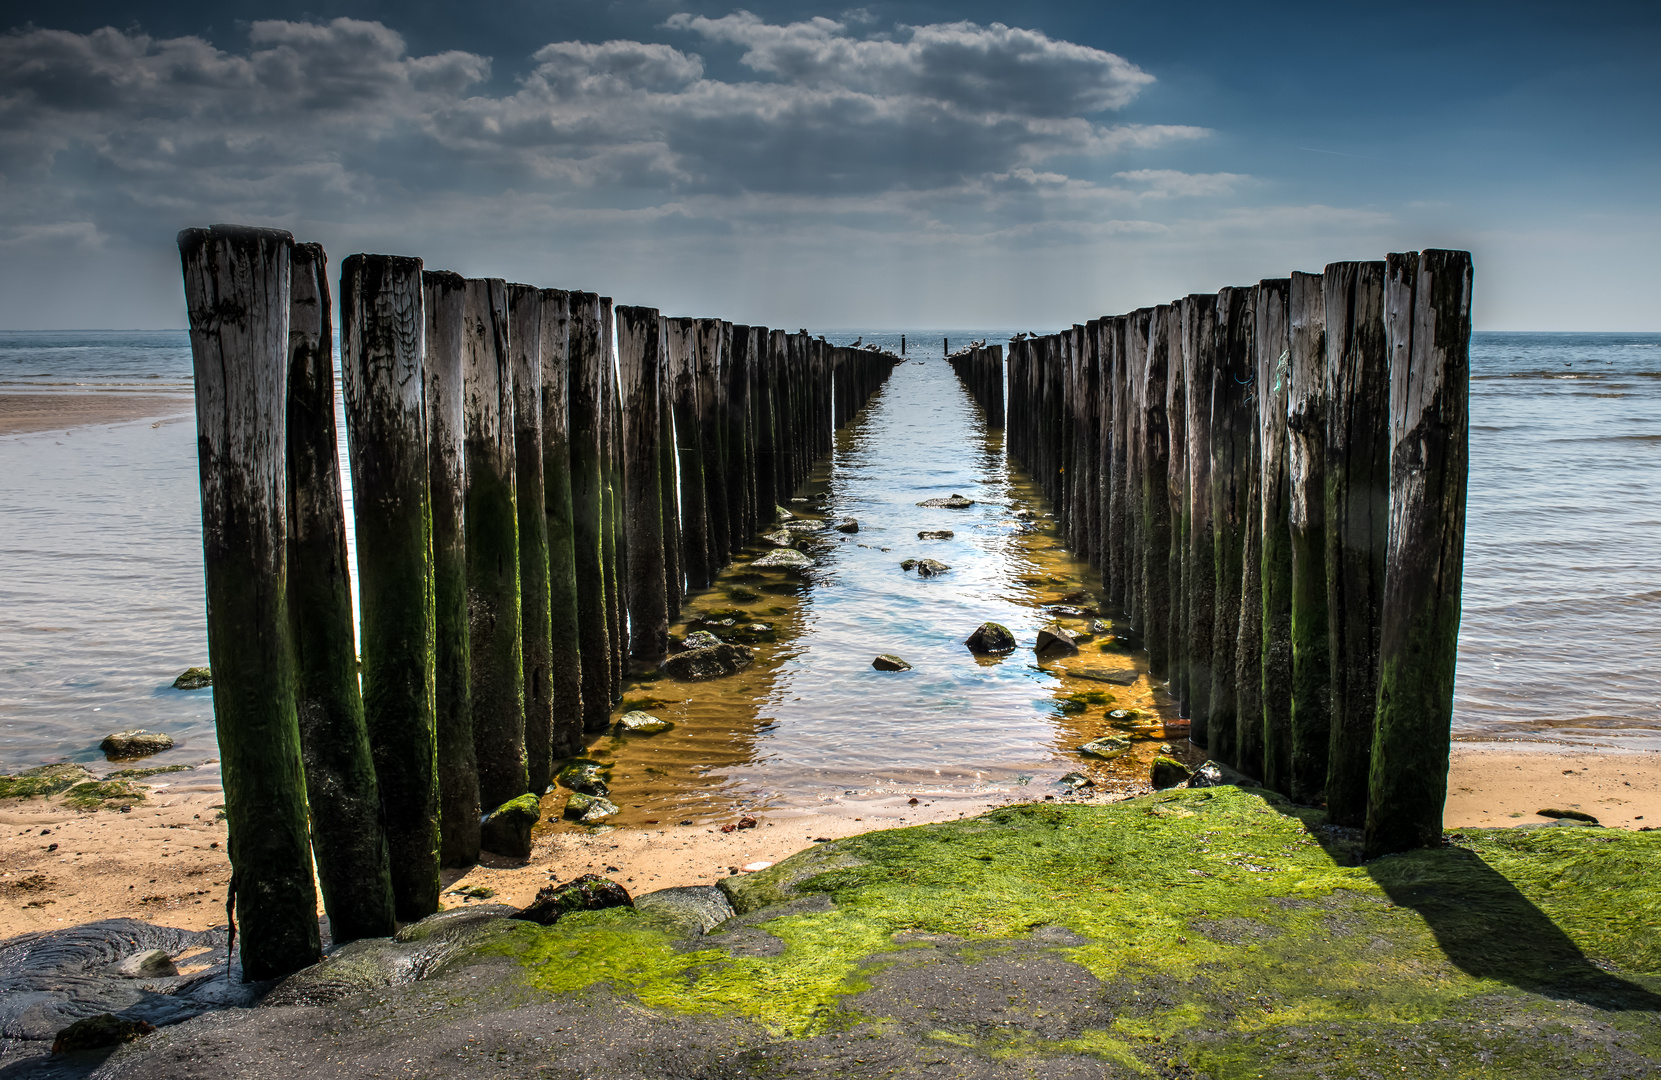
pixel 532 506
pixel 1271 480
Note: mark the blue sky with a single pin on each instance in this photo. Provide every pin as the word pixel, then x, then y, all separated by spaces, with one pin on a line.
pixel 892 165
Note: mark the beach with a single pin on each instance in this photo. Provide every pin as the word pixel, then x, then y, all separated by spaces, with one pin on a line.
pixel 22 413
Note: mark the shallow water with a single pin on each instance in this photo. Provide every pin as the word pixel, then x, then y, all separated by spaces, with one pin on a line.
pixel 101 594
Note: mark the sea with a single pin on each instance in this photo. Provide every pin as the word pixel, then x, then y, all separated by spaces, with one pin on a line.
pixel 101 596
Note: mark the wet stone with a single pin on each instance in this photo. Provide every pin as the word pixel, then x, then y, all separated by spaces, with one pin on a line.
pixel 785 559
pixel 587 893
pixel 936 534
pixel 1568 815
pixel 195 678
pixel 1106 748
pixel 585 777
pixel 643 723
pixel 908 564
pixel 588 809
pixel 951 502
pixel 1054 641
pixel 712 662
pixel 700 639
pixel 1168 772
pixel 506 830
pixel 1076 781
pixel 127 745
pixel 150 964
pixel 1210 773
pixel 931 568
pixel 991 637
pixel 890 662
pixel 783 538
pixel 847 525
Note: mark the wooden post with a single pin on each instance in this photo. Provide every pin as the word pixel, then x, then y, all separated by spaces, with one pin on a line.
pixel 1274 383
pixel 1310 706
pixel 1091 442
pixel 778 395
pixel 681 385
pixel 616 533
pixel 1156 506
pixel 1117 573
pixel 1136 368
pixel 714 345
pixel 382 344
pixel 674 570
pixel 1176 497
pixel 1231 437
pixel 1427 322
pixel 640 355
pixel 589 469
pixel 740 439
pixel 1199 570
pixel 346 834
pixel 496 649
pixel 237 292
pixel 530 500
pixel 564 624
pixel 1357 521
pixel 445 304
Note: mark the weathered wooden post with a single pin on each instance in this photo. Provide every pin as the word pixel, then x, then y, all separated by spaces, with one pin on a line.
pixel 616 541
pixel 1117 563
pixel 1427 322
pixel 714 343
pixel 530 500
pixel 346 834
pixel 1232 427
pixel 640 355
pixel 778 396
pixel 445 303
pixel 1176 493
pixel 589 469
pixel 1274 371
pixel 1310 705
pixel 674 569
pixel 237 292
pixel 681 386
pixel 382 342
pixel 1199 569
pixel 1357 521
pixel 1136 368
pixel 1156 506
pixel 496 648
pixel 739 438
pixel 564 625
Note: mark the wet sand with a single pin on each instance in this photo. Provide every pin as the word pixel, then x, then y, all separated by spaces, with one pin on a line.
pixel 164 861
pixel 23 413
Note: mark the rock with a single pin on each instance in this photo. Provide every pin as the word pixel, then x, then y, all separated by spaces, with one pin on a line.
pixel 991 637
pixel 931 568
pixel 889 662
pixel 954 502
pixel 1077 781
pixel 1054 641
pixel 908 564
pixel 801 525
pixel 697 909
pixel 194 679
pixel 784 558
pixel 1168 772
pixel 587 893
pixel 1210 773
pixel 506 830
pixel 43 780
pixel 105 1029
pixel 1096 626
pixel 783 538
pixel 1117 678
pixel 700 639
pixel 936 534
pixel 584 776
pixel 150 964
pixel 847 525
pixel 643 723
pixel 588 809
pixel 1107 747
pixel 126 745
pixel 696 665
pixel 783 514
pixel 1571 815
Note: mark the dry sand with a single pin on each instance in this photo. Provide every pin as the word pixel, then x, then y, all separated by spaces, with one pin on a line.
pixel 23 413
pixel 164 861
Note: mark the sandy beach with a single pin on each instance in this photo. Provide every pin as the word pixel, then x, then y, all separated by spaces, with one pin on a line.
pixel 23 413
pixel 164 860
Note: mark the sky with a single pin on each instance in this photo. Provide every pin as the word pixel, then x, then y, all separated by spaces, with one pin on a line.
pixel 976 165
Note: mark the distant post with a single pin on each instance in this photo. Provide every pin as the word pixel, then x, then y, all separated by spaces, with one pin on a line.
pixel 237 292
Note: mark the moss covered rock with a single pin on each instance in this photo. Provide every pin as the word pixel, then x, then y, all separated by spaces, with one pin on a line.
pixel 643 723
pixel 1168 772
pixel 889 662
pixel 127 745
pixel 590 892
pixel 589 809
pixel 506 830
pixel 43 780
pixel 195 678
pixel 991 638
pixel 710 662
pixel 587 777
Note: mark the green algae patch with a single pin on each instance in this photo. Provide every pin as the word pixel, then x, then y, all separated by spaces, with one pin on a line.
pixel 42 780
pixel 100 794
pixel 1223 930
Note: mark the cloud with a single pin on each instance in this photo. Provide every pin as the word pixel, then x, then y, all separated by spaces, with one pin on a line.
pixel 1169 183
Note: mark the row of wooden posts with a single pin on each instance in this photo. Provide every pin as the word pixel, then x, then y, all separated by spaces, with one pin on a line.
pixel 531 509
pixel 1271 480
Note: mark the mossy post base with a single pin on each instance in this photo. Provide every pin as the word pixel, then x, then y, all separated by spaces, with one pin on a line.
pixel 236 283
pixel 1427 320
pixel 640 358
pixel 496 646
pixel 1357 521
pixel 346 836
pixel 382 346
pixel 445 294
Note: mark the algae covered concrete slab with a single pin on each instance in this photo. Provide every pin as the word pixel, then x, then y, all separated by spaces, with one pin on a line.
pixel 1217 932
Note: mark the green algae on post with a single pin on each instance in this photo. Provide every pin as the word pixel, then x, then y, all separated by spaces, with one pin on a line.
pixel 525 321
pixel 589 487
pixel 564 624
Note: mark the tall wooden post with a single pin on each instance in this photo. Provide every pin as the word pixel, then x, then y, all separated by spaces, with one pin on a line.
pixel 1177 499
pixel 382 344
pixel 589 469
pixel 497 644
pixel 640 353
pixel 1156 507
pixel 681 385
pixel 1199 570
pixel 735 410
pixel 713 345
pixel 1274 371
pixel 445 303
pixel 1427 324
pixel 1310 705
pixel 535 620
pixel 237 292
pixel 564 625
pixel 616 543
pixel 346 834
pixel 1357 521
pixel 1233 427
pixel 674 570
